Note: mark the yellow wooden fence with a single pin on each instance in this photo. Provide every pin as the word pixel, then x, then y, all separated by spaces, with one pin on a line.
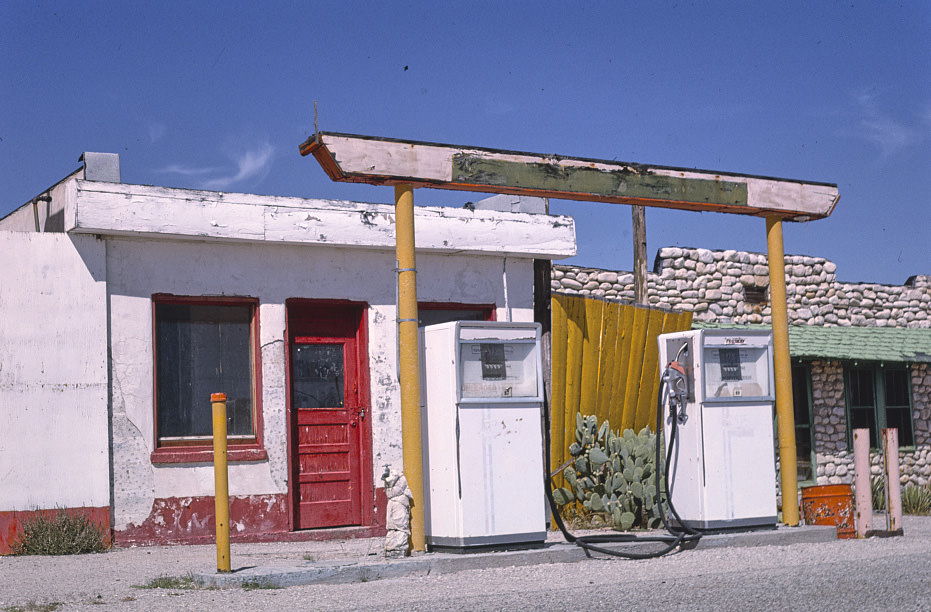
pixel 604 362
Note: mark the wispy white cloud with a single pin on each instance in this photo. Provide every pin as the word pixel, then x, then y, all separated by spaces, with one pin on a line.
pixel 880 129
pixel 186 170
pixel 250 164
pixel 156 132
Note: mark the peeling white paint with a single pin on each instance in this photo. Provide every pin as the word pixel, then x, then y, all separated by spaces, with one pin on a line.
pixel 141 210
pixel 53 354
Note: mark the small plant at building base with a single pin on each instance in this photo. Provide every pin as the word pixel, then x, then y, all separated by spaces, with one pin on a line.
pixel 65 533
pixel 878 493
pixel 916 499
pixel 612 475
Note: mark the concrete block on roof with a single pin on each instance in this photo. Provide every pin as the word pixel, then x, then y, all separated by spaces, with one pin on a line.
pixel 512 203
pixel 103 167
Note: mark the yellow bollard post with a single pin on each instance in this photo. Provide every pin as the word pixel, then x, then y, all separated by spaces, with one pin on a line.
pixel 221 482
pixel 782 370
pixel 409 356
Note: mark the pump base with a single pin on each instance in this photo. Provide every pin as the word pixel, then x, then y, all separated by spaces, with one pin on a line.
pixel 516 541
pixel 725 526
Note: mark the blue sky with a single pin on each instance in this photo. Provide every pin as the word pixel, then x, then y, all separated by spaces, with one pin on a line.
pixel 218 95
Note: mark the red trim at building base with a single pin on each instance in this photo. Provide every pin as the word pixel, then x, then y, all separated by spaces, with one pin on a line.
pixel 253 518
pixel 11 522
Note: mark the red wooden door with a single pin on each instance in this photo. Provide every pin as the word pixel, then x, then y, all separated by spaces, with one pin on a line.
pixel 330 439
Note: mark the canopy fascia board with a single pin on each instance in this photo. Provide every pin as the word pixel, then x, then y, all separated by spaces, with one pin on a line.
pixel 382 161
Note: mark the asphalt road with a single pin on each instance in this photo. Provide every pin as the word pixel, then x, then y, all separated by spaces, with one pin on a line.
pixel 875 574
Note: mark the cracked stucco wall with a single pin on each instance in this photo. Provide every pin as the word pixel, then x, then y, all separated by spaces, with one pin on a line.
pixel 138 268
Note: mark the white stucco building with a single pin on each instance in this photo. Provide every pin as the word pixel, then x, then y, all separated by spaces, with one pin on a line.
pixel 125 306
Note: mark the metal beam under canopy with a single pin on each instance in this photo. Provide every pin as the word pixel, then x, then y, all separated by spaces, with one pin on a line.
pixel 383 161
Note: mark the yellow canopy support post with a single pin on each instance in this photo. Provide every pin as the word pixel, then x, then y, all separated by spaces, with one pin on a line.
pixel 409 357
pixel 782 368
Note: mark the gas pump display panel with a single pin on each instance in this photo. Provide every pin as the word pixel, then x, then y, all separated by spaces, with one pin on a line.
pixel 736 371
pixel 498 370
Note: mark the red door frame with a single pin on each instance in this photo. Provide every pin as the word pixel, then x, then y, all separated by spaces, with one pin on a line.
pixel 292 307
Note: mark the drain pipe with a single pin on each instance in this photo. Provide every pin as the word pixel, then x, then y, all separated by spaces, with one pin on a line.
pixel 45 197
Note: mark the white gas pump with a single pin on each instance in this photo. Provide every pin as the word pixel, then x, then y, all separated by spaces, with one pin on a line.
pixel 722 471
pixel 482 438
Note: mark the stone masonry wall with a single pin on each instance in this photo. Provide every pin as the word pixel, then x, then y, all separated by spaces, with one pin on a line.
pixel 715 287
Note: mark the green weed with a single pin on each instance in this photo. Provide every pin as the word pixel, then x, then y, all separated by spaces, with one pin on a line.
pixel 32 606
pixel 169 582
pixel 257 584
pixel 65 533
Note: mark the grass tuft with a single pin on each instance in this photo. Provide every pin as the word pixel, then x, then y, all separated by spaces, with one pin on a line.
pixel 65 533
pixel 253 585
pixel 169 582
pixel 32 606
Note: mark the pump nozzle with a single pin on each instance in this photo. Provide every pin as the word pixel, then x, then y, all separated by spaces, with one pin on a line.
pixel 677 382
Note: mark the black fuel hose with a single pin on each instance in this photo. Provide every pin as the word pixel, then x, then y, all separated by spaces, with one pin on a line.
pixel 677 534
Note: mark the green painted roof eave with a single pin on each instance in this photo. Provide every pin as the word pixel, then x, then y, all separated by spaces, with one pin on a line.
pixel 883 344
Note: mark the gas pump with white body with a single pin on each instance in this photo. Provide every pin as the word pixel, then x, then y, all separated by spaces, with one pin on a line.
pixel 482 437
pixel 722 471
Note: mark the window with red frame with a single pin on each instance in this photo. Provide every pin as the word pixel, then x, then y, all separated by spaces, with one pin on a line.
pixel 203 347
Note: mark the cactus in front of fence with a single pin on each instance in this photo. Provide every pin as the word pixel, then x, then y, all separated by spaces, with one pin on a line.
pixel 612 474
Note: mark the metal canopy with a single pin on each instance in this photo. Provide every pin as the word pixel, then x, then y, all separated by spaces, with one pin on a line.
pixel 383 161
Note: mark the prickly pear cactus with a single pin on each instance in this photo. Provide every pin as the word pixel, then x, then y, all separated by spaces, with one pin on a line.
pixel 612 474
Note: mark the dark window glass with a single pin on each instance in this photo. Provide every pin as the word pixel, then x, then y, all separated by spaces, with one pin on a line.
pixel 861 387
pixel 201 350
pixel 896 387
pixel 800 395
pixel 880 397
pixel 864 418
pixel 901 419
pixel 318 377
pixel 432 316
pixel 755 294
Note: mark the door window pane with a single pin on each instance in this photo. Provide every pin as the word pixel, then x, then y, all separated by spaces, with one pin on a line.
pixel 318 377
pixel 200 350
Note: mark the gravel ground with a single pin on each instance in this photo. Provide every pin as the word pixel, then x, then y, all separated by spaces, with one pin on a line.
pixel 875 574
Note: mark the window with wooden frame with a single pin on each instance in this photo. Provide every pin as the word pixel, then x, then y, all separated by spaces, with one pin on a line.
pixel 804 435
pixel 204 346
pixel 879 397
pixel 756 294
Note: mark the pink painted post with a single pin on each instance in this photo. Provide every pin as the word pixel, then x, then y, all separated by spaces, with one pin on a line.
pixel 893 487
pixel 861 467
